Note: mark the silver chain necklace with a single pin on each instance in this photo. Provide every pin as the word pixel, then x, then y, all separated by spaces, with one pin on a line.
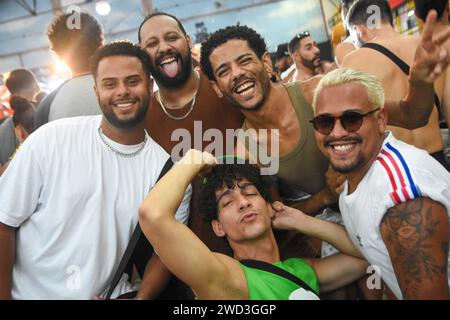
pixel 120 153
pixel 158 97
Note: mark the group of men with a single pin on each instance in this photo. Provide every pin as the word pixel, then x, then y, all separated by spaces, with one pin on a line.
pixel 88 176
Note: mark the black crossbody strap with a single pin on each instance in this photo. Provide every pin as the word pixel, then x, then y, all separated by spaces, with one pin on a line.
pixel 133 241
pixel 268 267
pixel 400 63
pixel 388 53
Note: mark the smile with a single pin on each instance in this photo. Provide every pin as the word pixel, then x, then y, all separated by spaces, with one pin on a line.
pixel 245 88
pixel 124 104
pixel 343 148
pixel 167 61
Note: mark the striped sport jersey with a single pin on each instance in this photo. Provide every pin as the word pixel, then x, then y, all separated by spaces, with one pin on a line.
pixel 403 188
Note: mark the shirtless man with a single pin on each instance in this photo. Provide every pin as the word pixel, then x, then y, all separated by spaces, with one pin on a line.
pixel 235 59
pixel 393 78
pixel 306 55
pixel 185 102
pixel 184 95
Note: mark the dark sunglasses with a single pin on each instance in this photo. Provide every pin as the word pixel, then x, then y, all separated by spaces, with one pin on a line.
pixel 351 121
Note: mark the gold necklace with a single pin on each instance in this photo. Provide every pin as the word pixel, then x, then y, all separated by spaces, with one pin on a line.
pixel 163 107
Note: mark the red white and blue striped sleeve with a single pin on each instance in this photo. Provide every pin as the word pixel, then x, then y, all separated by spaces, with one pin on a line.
pixel 403 186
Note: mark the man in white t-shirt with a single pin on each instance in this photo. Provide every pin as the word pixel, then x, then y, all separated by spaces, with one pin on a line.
pixel 396 200
pixel 69 199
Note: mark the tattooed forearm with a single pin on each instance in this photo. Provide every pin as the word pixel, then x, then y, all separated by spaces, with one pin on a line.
pixel 416 236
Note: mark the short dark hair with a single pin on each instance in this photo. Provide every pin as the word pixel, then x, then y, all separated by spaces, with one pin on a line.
pixel 120 48
pixel 358 12
pixel 82 41
pixel 20 79
pixel 221 36
pixel 160 13
pixel 295 41
pixel 424 6
pixel 227 175
pixel 23 113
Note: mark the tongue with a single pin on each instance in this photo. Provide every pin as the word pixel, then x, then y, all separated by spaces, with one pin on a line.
pixel 171 69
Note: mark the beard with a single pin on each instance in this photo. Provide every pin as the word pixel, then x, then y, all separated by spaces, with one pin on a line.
pixel 310 63
pixel 185 71
pixel 129 123
pixel 349 167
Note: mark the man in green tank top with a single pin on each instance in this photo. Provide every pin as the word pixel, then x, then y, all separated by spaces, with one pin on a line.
pixel 235 199
pixel 236 61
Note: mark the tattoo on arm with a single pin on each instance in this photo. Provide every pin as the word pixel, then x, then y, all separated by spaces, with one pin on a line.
pixel 416 236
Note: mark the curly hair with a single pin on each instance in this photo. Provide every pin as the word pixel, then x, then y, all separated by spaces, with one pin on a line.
pixel 227 175
pixel 120 48
pixel 221 36
pixel 83 41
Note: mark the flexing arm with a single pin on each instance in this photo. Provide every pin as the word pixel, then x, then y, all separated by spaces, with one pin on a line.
pixel 430 61
pixel 8 249
pixel 179 248
pixel 416 234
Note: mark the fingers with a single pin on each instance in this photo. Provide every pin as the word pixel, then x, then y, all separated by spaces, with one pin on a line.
pixel 427 35
pixel 278 206
pixel 209 159
pixel 441 37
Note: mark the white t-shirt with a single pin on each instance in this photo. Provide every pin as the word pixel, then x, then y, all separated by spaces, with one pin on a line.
pixel 400 173
pixel 76 203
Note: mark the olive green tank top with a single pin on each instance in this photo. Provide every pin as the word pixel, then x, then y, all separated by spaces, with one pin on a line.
pixel 304 167
pixel 264 285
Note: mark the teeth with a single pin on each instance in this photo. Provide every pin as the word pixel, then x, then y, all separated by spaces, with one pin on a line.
pixel 343 147
pixel 124 105
pixel 168 60
pixel 243 87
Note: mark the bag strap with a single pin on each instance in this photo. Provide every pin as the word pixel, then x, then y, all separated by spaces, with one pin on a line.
pixel 268 267
pixel 137 233
pixel 400 63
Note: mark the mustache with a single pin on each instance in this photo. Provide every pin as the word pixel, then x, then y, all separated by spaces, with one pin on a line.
pixel 162 56
pixel 330 140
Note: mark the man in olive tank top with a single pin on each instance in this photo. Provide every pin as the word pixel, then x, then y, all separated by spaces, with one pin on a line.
pixel 236 61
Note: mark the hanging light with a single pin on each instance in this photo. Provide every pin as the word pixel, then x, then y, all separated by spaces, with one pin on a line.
pixel 102 7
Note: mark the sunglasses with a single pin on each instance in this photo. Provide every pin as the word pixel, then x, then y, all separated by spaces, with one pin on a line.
pixel 351 121
pixel 297 38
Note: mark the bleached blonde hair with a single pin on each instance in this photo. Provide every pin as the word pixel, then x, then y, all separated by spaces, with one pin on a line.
pixel 342 76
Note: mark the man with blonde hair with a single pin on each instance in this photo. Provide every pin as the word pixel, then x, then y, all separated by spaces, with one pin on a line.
pixel 396 198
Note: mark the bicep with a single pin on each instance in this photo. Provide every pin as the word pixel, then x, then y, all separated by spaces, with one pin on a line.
pixel 416 234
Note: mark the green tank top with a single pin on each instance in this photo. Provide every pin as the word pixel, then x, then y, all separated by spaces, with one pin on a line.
pixel 263 285
pixel 304 167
